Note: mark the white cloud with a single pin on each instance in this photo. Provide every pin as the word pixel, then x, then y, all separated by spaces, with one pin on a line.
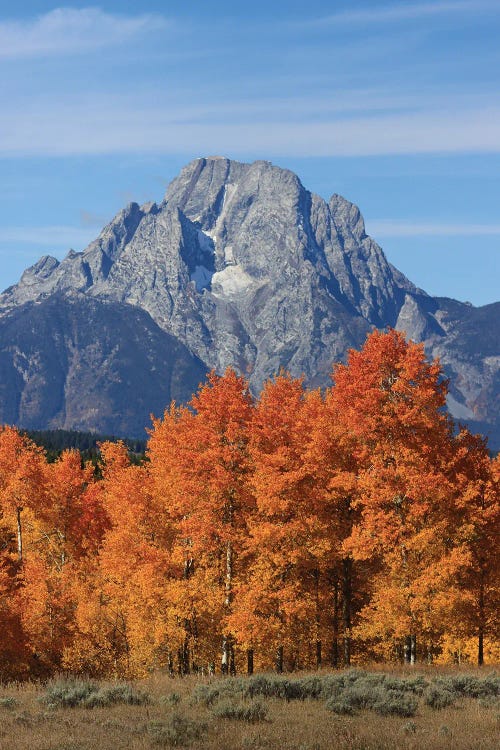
pixel 401 228
pixel 402 12
pixel 127 125
pixel 66 31
pixel 48 236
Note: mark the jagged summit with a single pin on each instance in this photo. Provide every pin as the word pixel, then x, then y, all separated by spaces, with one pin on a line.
pixel 243 266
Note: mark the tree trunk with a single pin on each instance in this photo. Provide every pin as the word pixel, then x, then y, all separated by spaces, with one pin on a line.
pixel 335 626
pixel 346 607
pixel 224 667
pixel 232 662
pixel 407 649
pixel 413 649
pixel 170 664
pixel 480 638
pixel 19 535
pixel 226 639
pixel 279 659
pixel 318 654
pixel 183 658
pixel 318 619
pixel 188 567
pixel 250 661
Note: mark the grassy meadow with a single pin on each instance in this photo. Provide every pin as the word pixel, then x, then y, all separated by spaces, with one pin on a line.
pixel 434 708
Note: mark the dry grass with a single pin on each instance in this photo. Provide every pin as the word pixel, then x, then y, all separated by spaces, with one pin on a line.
pixel 27 723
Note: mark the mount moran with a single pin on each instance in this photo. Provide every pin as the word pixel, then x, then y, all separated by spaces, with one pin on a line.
pixel 239 265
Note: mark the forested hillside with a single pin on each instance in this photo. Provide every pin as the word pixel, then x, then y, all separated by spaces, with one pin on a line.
pixel 297 529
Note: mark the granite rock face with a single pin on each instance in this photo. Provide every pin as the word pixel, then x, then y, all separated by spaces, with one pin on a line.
pixel 240 265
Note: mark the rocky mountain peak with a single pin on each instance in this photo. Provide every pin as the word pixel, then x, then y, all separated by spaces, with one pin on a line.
pixel 347 215
pixel 243 266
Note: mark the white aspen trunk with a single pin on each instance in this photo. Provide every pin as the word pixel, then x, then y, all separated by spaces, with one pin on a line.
pixel 346 607
pixel 407 650
pixel 318 620
pixel 19 534
pixel 413 649
pixel 63 553
pixel 226 641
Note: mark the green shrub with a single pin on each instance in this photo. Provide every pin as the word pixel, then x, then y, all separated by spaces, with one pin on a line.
pixel 270 686
pixel 205 694
pixel 395 703
pixel 470 686
pixel 289 689
pixel 332 685
pixel 438 697
pixel 251 712
pixel 375 695
pixel 340 706
pixel 120 693
pixel 311 687
pixel 176 732
pixel 72 693
pixel 361 695
pixel 415 684
pixel 69 692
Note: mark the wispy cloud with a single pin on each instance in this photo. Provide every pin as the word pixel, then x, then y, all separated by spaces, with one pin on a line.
pixel 68 31
pixel 402 228
pixel 56 237
pixel 402 12
pixel 125 125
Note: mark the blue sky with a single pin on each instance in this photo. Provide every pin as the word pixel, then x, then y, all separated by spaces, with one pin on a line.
pixel 393 104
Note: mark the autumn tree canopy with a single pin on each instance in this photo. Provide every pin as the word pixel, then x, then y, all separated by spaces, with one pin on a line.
pixel 296 529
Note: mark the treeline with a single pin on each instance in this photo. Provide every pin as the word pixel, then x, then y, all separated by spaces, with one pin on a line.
pixel 54 442
pixel 299 529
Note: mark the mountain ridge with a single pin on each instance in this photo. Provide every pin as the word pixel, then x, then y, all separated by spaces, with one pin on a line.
pixel 242 266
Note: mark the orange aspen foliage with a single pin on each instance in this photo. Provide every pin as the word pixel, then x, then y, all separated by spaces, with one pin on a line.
pixel 392 400
pixel 15 661
pixel 57 542
pixel 300 479
pixel 287 531
pixel 199 465
pixel 472 602
pixel 66 485
pixel 126 618
pixel 99 644
pixel 22 496
pixel 270 609
pixel 332 457
pixel 22 490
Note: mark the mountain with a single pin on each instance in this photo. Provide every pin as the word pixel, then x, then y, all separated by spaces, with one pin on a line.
pixel 238 265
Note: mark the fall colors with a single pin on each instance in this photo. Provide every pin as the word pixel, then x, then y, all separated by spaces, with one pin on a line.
pixel 295 530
